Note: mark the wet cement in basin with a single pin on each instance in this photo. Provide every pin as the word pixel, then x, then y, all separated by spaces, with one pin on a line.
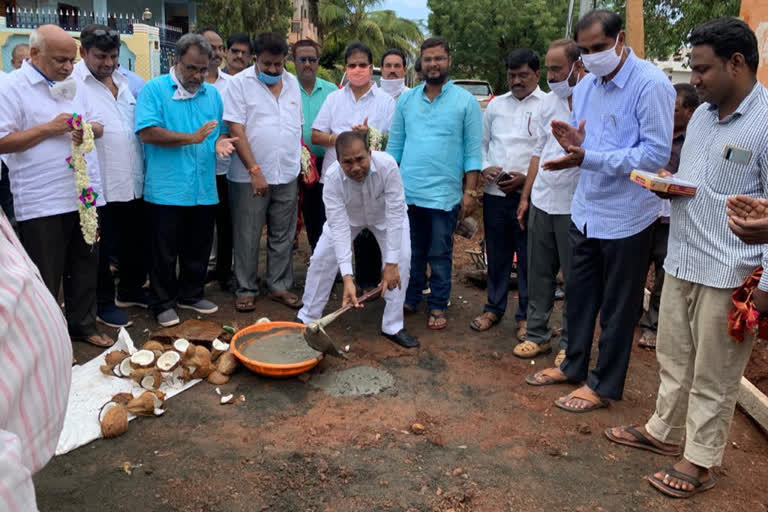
pixel 276 346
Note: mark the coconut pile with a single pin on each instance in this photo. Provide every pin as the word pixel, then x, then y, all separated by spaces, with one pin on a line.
pixel 154 364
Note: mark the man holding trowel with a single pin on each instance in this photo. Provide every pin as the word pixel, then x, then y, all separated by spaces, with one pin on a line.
pixel 362 190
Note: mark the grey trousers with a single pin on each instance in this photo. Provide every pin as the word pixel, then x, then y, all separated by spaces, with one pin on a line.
pixel 548 252
pixel 278 209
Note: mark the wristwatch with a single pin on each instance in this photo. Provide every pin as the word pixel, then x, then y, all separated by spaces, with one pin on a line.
pixel 472 193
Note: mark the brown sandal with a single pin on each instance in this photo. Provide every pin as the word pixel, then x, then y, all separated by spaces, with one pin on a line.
pixel 99 340
pixel 485 321
pixel 287 298
pixel 434 317
pixel 245 303
pixel 547 377
pixel 581 394
pixel 641 441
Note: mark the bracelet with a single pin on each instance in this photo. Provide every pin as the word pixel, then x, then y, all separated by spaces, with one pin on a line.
pixel 472 193
pixel 332 139
pixel 254 170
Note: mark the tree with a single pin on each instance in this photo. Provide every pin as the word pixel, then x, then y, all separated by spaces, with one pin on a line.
pixel 249 16
pixel 343 21
pixel 482 33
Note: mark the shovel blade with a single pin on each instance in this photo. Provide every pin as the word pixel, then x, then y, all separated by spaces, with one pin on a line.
pixel 319 340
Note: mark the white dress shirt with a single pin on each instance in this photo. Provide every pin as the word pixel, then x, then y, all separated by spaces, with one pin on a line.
pixel 378 201
pixel 222 163
pixel 508 133
pixel 552 190
pixel 341 111
pixel 35 373
pixel 272 126
pixel 121 159
pixel 42 183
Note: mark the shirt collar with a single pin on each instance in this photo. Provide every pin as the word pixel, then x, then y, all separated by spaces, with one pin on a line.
pixel 82 70
pixel 372 91
pixel 621 78
pixel 446 87
pixel 172 84
pixel 744 106
pixel 537 93
pixel 320 84
pixel 33 74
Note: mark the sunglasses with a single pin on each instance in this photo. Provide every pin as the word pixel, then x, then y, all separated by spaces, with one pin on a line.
pixel 361 66
pixel 112 34
pixel 304 60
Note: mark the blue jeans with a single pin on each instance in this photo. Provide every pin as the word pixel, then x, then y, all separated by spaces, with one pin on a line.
pixel 504 238
pixel 431 242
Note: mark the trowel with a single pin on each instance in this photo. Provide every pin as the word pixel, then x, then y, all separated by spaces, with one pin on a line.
pixel 318 339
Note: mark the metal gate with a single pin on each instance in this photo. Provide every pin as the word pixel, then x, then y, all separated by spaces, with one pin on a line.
pixel 169 35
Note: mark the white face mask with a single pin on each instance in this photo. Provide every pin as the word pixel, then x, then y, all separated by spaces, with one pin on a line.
pixel 563 89
pixel 65 89
pixel 602 63
pixel 394 86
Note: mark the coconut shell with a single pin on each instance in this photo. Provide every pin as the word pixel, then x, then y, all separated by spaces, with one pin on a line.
pixel 159 394
pixel 152 345
pixel 227 363
pixel 142 405
pixel 201 372
pixel 218 347
pixel 114 421
pixel 125 368
pixel 115 357
pixel 151 381
pixel 143 359
pixel 122 398
pixel 107 370
pixel 191 351
pixel 181 345
pixel 168 361
pixel 217 378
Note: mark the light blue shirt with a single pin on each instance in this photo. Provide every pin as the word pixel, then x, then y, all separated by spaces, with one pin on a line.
pixel 135 82
pixel 310 106
pixel 629 124
pixel 435 143
pixel 182 175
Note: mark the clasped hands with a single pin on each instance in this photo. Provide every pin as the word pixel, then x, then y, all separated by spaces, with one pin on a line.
pixel 570 139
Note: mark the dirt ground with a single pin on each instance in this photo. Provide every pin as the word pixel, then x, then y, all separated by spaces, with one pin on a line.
pixel 491 442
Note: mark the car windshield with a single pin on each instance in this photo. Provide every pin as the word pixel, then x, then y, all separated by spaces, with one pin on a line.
pixel 478 89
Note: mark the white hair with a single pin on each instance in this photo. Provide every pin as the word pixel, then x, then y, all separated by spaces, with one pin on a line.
pixel 36 40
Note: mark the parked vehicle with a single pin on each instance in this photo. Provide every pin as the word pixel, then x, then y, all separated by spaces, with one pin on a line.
pixel 480 89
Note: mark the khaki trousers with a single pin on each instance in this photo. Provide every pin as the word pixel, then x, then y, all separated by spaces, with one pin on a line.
pixel 700 368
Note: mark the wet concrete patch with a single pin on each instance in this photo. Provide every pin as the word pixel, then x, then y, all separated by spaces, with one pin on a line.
pixel 357 381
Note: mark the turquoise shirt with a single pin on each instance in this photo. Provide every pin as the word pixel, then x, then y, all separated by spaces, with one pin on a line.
pixel 310 106
pixel 181 175
pixel 435 143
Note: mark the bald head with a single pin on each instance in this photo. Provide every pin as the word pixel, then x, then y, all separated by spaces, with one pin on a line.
pixel 52 51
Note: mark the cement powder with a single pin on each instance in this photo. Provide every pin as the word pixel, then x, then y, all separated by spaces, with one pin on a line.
pixel 278 346
pixel 357 381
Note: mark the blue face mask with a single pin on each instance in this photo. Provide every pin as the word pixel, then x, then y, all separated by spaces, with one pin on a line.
pixel 269 79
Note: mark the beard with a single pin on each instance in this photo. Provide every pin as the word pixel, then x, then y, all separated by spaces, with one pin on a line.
pixel 437 80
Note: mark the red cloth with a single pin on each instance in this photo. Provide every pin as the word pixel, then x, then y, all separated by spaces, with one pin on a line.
pixel 744 316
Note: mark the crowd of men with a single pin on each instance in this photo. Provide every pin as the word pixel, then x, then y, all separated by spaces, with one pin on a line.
pixel 191 166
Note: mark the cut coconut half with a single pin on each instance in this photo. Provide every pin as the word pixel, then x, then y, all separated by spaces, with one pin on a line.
pixel 142 359
pixel 168 361
pixel 113 418
pixel 125 368
pixel 148 382
pixel 181 345
pixel 115 357
pixel 227 399
pixel 159 412
pixel 218 347
pixel 262 320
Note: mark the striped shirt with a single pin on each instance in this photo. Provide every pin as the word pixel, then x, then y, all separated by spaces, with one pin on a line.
pixel 702 249
pixel 35 373
pixel 629 123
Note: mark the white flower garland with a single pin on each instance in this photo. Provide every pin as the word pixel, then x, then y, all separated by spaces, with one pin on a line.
pixel 306 161
pixel 86 201
pixel 377 140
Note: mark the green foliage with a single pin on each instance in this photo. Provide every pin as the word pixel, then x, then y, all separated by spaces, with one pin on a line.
pixel 483 32
pixel 343 21
pixel 250 16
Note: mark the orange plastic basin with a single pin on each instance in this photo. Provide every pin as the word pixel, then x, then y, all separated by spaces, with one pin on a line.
pixel 269 369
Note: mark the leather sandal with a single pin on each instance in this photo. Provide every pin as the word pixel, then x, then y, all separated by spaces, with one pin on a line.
pixel 529 349
pixel 587 395
pixel 484 321
pixel 547 377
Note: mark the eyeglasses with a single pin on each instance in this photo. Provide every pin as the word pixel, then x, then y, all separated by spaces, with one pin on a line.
pixel 239 52
pixel 304 60
pixel 111 34
pixel 355 65
pixel 430 60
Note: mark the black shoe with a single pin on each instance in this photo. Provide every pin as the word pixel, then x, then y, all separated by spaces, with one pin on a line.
pixel 298 320
pixel 402 338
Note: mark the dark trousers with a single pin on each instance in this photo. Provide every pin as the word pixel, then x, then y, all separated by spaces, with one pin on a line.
pixel 56 245
pixel 607 276
pixel 123 229
pixel 223 232
pixel 431 242
pixel 504 238
pixel 313 211
pixel 6 199
pixel 183 233
pixel 367 260
pixel 650 320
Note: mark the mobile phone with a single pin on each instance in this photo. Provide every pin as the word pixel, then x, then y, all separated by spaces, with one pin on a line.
pixel 502 176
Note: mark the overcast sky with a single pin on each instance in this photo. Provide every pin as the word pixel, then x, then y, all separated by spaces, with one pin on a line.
pixel 412 9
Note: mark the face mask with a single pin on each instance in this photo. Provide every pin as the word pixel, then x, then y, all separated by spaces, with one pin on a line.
pixel 562 89
pixel 359 76
pixel 269 79
pixel 394 86
pixel 602 63
pixel 65 89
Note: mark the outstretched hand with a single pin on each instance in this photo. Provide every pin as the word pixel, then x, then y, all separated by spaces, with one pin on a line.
pixel 748 218
pixel 568 136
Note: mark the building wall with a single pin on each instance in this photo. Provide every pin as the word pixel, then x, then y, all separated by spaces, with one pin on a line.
pixel 301 26
pixel 755 13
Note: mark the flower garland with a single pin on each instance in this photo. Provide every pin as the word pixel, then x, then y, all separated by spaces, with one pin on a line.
pixel 86 204
pixel 744 318
pixel 309 174
pixel 377 140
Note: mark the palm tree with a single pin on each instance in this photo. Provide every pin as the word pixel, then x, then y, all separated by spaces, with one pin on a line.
pixel 344 21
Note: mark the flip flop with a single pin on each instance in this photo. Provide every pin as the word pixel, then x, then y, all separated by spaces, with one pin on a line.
pixel 244 304
pixel 294 302
pixel 581 395
pixel 641 442
pixel 647 339
pixel 99 340
pixel 484 321
pixel 436 315
pixel 550 374
pixel 680 493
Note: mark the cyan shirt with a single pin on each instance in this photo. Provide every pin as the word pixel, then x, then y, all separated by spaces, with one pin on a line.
pixel 435 143
pixel 310 106
pixel 182 175
pixel 628 126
